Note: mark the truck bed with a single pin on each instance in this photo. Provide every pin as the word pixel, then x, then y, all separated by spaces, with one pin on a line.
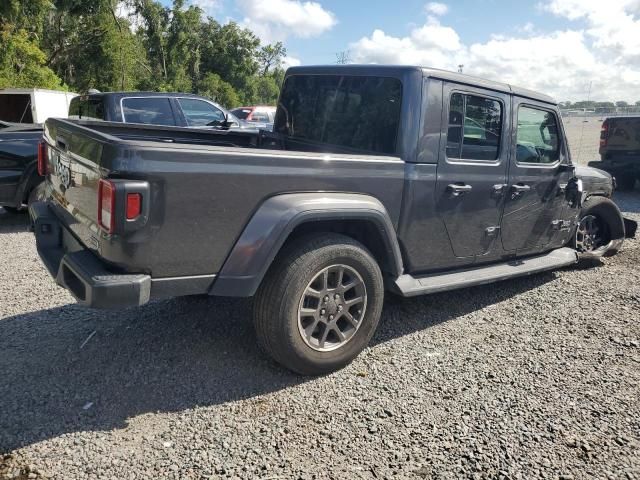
pixel 204 188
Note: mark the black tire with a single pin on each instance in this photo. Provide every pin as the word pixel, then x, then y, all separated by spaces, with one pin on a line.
pixel 610 224
pixel 284 289
pixel 625 181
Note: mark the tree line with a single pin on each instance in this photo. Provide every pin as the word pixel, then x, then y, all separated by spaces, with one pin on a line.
pixel 590 104
pixel 78 45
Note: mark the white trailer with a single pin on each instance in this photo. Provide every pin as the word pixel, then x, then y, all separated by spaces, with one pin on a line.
pixel 33 105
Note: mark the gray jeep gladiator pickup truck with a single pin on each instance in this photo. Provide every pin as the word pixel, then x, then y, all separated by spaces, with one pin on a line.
pixel 375 178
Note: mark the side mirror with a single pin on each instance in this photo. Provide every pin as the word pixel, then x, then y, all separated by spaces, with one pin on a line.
pixel 575 192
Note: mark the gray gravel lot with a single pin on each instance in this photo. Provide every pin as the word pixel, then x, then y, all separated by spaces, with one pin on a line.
pixel 535 377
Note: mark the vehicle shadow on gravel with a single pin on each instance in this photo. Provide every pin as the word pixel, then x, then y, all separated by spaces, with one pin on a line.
pixel 628 202
pixel 13 222
pixel 71 369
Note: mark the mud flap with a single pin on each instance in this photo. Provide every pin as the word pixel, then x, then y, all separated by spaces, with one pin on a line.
pixel 630 227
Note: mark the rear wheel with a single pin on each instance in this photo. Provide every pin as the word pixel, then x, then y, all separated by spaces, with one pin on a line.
pixel 320 304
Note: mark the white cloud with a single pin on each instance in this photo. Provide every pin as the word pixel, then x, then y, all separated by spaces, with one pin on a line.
pixel 210 7
pixel 274 20
pixel 562 63
pixel 290 61
pixel 432 44
pixel 436 8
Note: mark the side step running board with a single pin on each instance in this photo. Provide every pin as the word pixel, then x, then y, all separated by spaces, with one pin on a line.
pixel 410 286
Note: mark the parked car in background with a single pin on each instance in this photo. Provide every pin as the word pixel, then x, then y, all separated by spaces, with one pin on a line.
pixel 261 116
pixel 375 178
pixel 33 105
pixel 620 150
pixel 19 143
pixel 154 108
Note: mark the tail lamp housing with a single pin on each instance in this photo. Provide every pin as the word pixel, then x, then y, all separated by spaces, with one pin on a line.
pixel 604 134
pixel 107 205
pixel 123 205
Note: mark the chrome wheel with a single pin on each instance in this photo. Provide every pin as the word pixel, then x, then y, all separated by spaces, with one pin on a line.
pixel 591 234
pixel 332 308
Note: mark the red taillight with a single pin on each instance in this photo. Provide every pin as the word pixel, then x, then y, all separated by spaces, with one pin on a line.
pixel 134 205
pixel 106 205
pixel 604 134
pixel 42 159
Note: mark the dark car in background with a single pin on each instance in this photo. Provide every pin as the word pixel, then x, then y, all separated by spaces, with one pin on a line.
pixel 620 150
pixel 154 108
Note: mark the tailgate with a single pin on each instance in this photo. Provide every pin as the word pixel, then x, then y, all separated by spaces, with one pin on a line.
pixel 73 172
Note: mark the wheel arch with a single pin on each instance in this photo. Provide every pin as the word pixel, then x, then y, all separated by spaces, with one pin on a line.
pixel 284 218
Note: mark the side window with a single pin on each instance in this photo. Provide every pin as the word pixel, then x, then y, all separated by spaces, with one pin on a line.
pixel 150 111
pixel 361 113
pixel 538 139
pixel 200 113
pixel 475 128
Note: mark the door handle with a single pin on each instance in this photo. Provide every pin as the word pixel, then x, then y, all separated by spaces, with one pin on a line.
pixel 457 189
pixel 519 189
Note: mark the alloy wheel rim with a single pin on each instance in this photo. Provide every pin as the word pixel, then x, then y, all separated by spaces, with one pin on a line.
pixel 332 308
pixel 590 234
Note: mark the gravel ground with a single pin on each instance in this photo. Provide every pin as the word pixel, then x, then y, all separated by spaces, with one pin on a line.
pixel 535 377
pixel 532 377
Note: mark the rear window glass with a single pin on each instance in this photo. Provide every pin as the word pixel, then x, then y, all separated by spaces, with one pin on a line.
pixel 150 111
pixel 624 133
pixel 356 112
pixel 87 108
pixel 475 127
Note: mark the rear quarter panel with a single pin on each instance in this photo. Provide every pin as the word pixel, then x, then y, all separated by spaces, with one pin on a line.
pixel 203 197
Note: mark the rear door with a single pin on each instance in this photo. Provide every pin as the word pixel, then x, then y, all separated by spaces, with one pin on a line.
pixel 472 173
pixel 535 199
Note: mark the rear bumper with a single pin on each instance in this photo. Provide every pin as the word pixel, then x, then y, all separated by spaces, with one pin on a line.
pixel 78 270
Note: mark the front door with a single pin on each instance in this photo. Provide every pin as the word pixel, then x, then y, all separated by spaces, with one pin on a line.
pixel 472 169
pixel 535 199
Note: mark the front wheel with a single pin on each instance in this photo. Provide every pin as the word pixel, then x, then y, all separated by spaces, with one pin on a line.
pixel 320 304
pixel 600 229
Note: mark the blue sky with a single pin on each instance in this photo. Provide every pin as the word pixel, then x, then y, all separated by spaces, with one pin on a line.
pixel 562 47
pixel 474 20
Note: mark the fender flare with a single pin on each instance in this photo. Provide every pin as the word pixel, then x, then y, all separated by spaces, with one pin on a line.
pixel 277 217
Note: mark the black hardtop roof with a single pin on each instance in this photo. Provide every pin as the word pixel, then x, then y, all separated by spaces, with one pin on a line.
pixel 399 70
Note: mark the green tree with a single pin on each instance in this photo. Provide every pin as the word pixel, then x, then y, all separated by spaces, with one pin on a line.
pixel 270 57
pixel 213 87
pixel 622 103
pixel 22 63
